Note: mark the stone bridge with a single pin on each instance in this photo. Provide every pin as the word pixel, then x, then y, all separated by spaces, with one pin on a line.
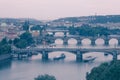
pixel 66 37
pixel 77 50
pixel 79 39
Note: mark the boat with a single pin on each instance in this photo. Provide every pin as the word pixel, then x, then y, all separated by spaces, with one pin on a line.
pixel 89 59
pixel 106 54
pixel 61 57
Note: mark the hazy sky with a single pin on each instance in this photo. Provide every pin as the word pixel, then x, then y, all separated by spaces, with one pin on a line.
pixel 52 9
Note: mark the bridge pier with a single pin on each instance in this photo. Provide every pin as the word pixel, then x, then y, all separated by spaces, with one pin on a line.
pixel 53 33
pixel 65 34
pixel 93 42
pixel 79 42
pixel 79 56
pixel 118 42
pixel 115 56
pixel 106 42
pixel 65 42
pixel 44 56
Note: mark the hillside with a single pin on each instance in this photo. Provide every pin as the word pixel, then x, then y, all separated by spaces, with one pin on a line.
pixel 91 19
pixel 18 21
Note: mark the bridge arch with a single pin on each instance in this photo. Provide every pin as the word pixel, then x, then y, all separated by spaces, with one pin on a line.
pixel 72 41
pixel 109 52
pixel 86 41
pixel 100 56
pixel 59 41
pixel 113 42
pixel 59 34
pixel 99 41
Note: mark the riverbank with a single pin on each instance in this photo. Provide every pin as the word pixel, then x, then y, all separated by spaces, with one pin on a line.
pixel 4 57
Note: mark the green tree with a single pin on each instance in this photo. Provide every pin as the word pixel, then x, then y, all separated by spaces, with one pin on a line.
pixel 36 27
pixel 4 41
pixel 28 37
pixel 10 41
pixel 5 48
pixel 21 44
pixel 87 30
pixel 72 30
pixel 24 40
pixel 106 71
pixel 16 40
pixel 45 77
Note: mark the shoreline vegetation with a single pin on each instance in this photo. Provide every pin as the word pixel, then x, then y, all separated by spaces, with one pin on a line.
pixel 106 71
pixel 5 49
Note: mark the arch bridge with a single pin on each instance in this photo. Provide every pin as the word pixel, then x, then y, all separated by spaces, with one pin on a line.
pixel 79 39
pixel 55 31
pixel 77 50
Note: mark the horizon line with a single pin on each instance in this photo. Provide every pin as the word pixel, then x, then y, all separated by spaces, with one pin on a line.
pixel 58 17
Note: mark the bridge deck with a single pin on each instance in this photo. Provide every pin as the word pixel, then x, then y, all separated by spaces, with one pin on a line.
pixel 72 48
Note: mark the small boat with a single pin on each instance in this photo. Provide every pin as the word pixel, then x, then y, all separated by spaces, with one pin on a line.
pixel 89 59
pixel 105 54
pixel 61 57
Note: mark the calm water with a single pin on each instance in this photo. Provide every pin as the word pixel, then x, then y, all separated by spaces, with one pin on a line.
pixel 63 70
pixel 67 69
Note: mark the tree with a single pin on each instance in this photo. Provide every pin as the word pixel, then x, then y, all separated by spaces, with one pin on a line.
pixel 10 41
pixel 21 44
pixel 24 40
pixel 5 48
pixel 36 27
pixel 28 37
pixel 4 41
pixel 45 77
pixel 87 30
pixel 106 71
pixel 16 40
pixel 72 30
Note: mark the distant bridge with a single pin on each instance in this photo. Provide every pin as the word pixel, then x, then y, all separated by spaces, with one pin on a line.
pixel 79 39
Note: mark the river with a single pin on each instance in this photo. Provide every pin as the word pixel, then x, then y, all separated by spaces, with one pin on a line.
pixel 68 69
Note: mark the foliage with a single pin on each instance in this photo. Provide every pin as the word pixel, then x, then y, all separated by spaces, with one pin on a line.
pixel 28 37
pixel 36 27
pixel 106 19
pixel 106 71
pixel 21 44
pixel 4 41
pixel 72 30
pixel 24 40
pixel 45 77
pixel 87 30
pixel 5 48
pixel 16 40
pixel 10 41
pixel 91 19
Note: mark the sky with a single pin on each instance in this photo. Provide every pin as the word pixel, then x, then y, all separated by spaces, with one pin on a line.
pixel 53 9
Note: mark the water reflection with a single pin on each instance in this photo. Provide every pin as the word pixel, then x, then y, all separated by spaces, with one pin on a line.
pixel 67 69
pixel 5 64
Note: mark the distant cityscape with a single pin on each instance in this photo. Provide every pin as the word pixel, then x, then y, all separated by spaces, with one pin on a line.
pixel 12 28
